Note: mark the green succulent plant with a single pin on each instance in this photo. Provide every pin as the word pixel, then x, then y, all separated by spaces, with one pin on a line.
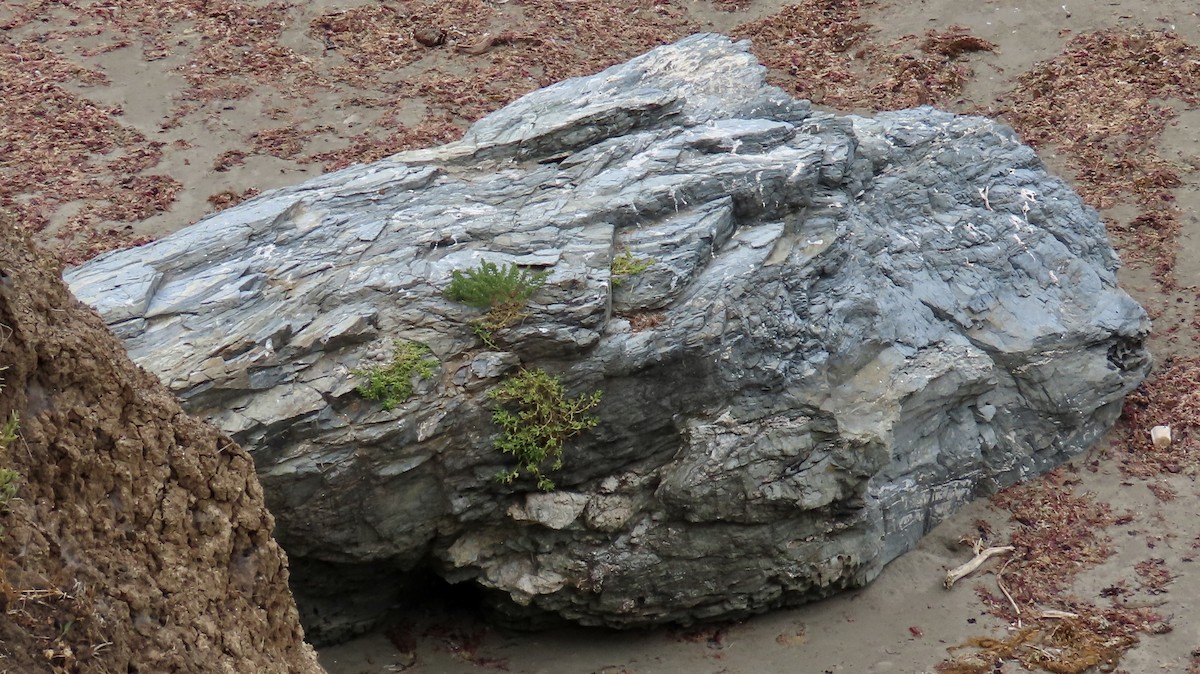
pixel 537 419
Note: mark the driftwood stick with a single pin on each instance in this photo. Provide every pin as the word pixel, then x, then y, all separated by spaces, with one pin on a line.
pixel 1016 609
pixel 959 572
pixel 1055 613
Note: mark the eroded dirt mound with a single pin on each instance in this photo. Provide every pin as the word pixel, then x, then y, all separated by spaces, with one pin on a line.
pixel 137 539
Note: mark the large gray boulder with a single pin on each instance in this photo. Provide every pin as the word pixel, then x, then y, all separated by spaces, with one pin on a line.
pixel 852 326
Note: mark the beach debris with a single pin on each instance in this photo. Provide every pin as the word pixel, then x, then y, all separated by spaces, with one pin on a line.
pixel 1055 614
pixel 1008 595
pixel 1099 86
pixel 430 36
pixel 954 43
pixel 1069 646
pixel 1161 436
pixel 1059 532
pixel 485 42
pixel 793 637
pixel 982 554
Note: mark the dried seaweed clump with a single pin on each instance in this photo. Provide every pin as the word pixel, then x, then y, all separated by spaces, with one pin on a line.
pixel 1057 534
pixel 495 59
pixel 549 41
pixel 60 147
pixel 1171 398
pixel 954 43
pixel 1102 105
pixel 814 43
pixel 371 42
pixel 932 74
pixel 1061 646
pixel 825 48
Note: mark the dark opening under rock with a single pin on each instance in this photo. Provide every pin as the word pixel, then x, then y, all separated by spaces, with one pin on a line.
pixel 839 330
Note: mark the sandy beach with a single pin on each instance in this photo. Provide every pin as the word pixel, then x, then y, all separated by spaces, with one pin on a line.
pixel 123 124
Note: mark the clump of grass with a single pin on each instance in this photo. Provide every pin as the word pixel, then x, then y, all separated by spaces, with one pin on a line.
pixel 502 290
pixel 8 432
pixel 626 265
pixel 543 420
pixel 484 335
pixel 8 478
pixel 9 482
pixel 392 384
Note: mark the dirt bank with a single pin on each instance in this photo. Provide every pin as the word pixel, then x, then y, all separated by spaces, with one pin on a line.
pixel 135 537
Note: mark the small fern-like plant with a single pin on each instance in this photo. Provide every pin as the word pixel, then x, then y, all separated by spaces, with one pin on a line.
pixel 392 384
pixel 538 421
pixel 626 265
pixel 502 290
